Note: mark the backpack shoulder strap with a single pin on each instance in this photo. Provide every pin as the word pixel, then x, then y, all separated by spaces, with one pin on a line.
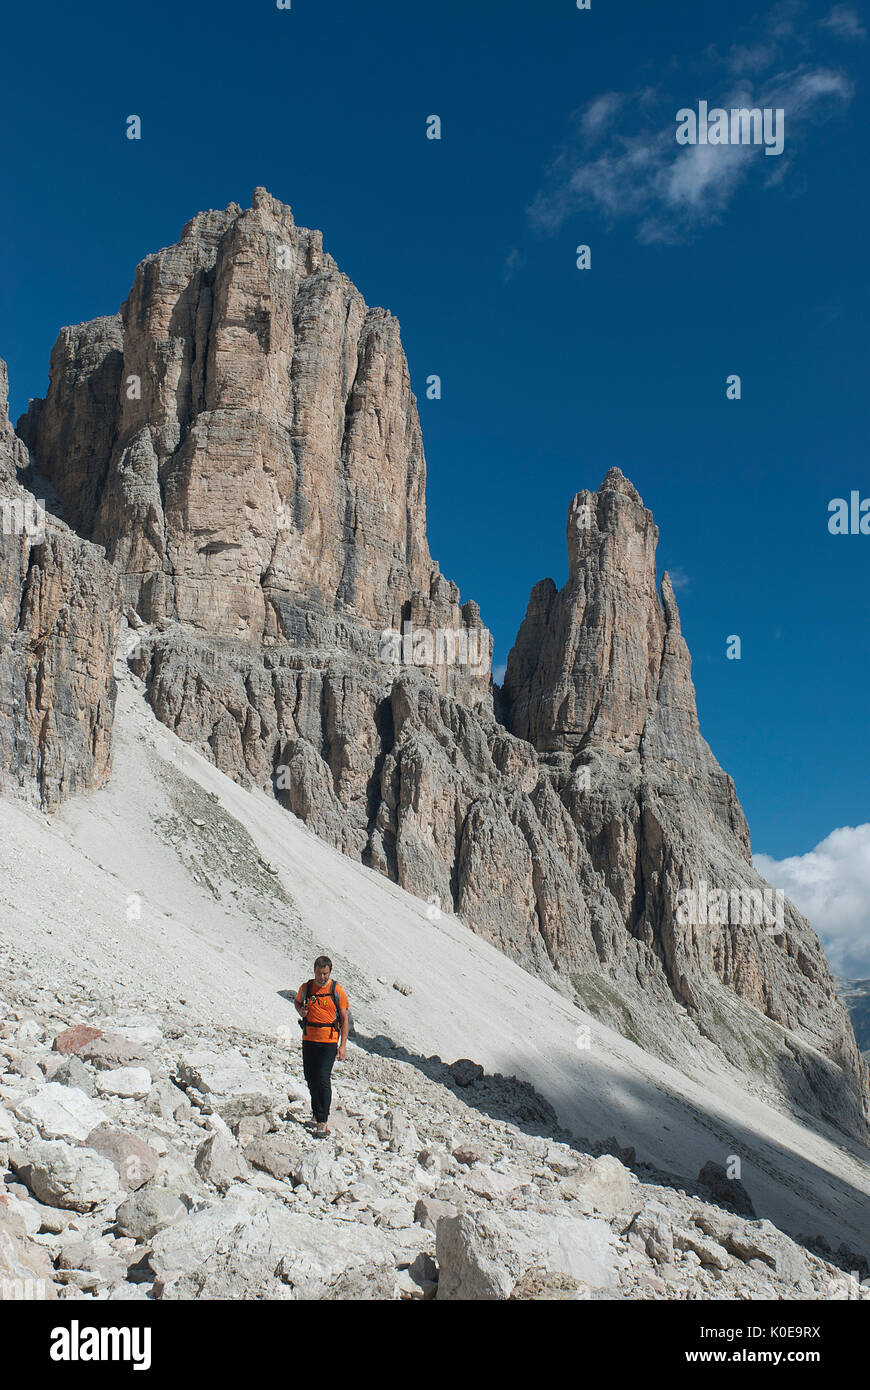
pixel 337 1020
pixel 305 998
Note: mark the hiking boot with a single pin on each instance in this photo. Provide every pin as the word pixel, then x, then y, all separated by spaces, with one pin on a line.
pixel 321 1131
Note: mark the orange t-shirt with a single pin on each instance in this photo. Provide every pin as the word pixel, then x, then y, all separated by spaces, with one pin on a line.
pixel 320 1012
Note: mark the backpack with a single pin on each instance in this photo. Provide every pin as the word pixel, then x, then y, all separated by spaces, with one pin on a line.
pixel 336 1022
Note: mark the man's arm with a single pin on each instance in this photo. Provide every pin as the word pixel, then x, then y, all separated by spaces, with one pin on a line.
pixel 345 1026
pixel 300 1008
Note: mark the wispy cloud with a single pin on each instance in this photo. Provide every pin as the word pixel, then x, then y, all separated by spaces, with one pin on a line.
pixel 600 113
pixel 752 58
pixel 622 157
pixel 513 261
pixel 845 23
pixel 831 886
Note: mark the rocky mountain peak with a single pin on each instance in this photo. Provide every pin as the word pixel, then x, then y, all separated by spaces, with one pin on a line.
pixel 243 439
pixel 262 201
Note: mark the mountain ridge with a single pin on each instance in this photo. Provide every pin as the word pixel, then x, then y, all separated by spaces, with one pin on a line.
pixel 260 498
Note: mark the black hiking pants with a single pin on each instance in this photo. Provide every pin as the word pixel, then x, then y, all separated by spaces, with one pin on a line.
pixel 318 1059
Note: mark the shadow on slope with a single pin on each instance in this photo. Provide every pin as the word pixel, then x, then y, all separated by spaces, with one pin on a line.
pixel 510 1099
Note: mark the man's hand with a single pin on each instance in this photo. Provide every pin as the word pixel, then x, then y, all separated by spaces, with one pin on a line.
pixel 340 1054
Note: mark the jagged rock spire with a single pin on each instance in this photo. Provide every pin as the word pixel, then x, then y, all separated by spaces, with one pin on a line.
pixel 588 661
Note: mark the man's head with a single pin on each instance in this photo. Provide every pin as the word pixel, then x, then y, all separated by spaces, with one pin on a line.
pixel 322 971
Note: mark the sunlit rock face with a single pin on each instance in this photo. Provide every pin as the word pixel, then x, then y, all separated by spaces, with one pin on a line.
pixel 60 609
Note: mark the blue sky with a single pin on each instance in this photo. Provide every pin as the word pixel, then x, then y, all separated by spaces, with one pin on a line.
pixel 558 130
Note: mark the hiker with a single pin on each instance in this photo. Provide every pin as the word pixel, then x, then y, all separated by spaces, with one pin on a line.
pixel 322 1007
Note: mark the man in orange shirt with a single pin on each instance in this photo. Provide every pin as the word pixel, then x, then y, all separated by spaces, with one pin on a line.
pixel 322 1007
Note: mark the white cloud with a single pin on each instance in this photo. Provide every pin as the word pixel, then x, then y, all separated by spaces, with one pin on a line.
pixel 784 18
pixel 844 22
pixel 800 90
pixel 831 886
pixel 679 579
pixel 498 673
pixel 513 261
pixel 669 189
pixel 704 177
pixel 750 59
pixel 623 159
pixel 600 113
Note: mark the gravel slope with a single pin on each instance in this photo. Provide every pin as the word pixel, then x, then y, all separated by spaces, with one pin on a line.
pixel 173 884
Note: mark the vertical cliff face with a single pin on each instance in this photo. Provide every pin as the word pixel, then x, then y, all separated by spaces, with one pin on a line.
pixel 586 662
pixel 59 617
pixel 243 441
pixel 600 669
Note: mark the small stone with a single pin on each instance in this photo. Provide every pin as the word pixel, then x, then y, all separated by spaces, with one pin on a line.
pixel 73 1072
pixel 251 1127
pixel 652 1231
pixel 129 1082
pixel 167 1101
pixel 760 1240
pixel 150 1210
pixel 135 1161
pixel 486 1182
pixel 73 1040
pixel 111 1051
pixel 471 1153
pixel 60 1176
pixel 60 1112
pixel 604 1186
pixel 728 1190
pixel 28 1031
pixel 707 1251
pixel 321 1174
pixel 465 1072
pixel 221 1162
pixel 274 1154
